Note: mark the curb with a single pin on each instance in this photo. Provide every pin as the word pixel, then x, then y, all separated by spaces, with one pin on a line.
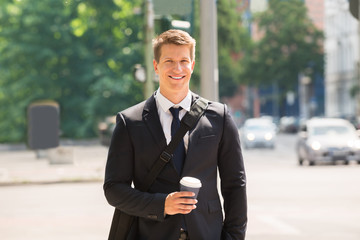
pixel 63 181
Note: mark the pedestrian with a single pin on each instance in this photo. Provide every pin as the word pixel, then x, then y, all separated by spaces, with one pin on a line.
pixel 212 147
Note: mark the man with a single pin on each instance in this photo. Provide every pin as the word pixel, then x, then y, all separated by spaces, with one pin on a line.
pixel 142 133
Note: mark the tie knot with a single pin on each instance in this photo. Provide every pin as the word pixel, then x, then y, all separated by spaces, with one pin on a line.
pixel 175 112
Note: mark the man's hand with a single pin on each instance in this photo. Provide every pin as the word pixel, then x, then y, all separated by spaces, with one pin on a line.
pixel 177 203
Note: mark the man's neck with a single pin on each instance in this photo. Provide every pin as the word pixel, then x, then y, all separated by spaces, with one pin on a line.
pixel 175 97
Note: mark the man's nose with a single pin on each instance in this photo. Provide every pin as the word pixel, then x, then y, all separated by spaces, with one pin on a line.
pixel 177 66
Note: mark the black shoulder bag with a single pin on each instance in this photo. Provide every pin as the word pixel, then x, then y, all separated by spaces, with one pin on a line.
pixel 122 224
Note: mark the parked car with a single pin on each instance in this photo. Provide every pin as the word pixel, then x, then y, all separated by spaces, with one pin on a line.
pixel 258 133
pixel 289 124
pixel 328 140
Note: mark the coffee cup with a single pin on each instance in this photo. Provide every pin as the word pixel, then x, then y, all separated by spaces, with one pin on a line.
pixel 190 184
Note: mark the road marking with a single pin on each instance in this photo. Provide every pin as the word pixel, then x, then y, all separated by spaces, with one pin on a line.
pixel 279 225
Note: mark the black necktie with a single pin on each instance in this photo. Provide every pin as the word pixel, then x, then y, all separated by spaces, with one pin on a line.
pixel 179 153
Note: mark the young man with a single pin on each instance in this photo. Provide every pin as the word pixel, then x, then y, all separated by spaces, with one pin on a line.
pixel 141 134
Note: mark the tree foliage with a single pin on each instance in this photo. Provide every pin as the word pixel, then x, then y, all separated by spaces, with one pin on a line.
pixel 77 52
pixel 291 44
pixel 233 39
pixel 80 53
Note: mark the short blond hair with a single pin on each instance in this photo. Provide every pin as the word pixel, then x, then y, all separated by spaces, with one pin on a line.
pixel 173 36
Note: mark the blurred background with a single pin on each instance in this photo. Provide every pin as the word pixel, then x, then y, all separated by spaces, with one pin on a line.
pixel 68 66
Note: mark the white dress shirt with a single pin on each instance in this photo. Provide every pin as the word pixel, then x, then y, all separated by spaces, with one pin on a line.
pixel 163 105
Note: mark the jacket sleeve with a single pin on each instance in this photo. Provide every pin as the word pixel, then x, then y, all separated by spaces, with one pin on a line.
pixel 119 177
pixel 233 181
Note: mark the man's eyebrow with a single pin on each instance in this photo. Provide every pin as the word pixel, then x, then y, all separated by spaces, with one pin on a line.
pixel 171 58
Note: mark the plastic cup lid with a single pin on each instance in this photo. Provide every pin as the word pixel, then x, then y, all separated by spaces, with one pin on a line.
pixel 190 182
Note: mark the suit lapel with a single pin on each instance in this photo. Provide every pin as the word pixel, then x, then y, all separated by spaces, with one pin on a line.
pixel 194 98
pixel 151 118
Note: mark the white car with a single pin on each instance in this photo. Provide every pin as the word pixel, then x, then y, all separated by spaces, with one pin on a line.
pixel 258 133
pixel 328 140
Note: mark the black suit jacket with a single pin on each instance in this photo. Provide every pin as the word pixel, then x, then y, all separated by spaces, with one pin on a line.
pixel 137 142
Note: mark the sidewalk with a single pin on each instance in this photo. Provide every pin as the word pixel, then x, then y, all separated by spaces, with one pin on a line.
pixel 85 161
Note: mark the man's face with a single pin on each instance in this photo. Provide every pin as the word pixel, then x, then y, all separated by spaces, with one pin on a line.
pixel 174 69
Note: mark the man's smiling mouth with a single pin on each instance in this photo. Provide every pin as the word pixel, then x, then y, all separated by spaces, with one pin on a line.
pixel 177 78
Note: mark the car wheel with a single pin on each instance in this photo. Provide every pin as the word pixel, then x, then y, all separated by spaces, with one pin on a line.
pixel 311 163
pixel 346 162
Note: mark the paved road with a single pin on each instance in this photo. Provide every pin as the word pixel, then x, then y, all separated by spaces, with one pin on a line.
pixel 54 212
pixel 286 202
pixel 289 202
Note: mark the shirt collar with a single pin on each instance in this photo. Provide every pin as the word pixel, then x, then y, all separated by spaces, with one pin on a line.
pixel 165 103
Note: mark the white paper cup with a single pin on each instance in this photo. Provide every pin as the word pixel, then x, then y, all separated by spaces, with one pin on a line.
pixel 190 184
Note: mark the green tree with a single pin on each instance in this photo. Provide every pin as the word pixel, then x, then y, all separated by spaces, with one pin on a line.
pixel 290 44
pixel 233 40
pixel 79 53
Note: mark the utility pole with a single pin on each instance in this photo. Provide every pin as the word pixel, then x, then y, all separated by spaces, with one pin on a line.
pixel 149 34
pixel 209 54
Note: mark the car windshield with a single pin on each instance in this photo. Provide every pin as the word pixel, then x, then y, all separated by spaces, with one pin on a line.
pixel 330 130
pixel 258 128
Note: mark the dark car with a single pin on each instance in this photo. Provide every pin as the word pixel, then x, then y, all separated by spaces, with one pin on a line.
pixel 289 124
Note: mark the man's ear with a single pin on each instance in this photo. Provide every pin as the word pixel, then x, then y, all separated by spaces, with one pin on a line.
pixel 155 66
pixel 192 66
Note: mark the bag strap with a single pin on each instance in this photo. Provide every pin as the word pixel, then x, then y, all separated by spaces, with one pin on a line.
pixel 188 122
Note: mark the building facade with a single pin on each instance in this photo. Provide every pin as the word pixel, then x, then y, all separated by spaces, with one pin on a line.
pixel 342 55
pixel 316 11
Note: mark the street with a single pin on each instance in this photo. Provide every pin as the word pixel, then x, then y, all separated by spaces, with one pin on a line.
pixel 54 212
pixel 286 202
pixel 289 202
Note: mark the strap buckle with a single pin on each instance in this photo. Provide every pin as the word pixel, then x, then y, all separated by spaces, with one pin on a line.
pixel 166 157
pixel 197 110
